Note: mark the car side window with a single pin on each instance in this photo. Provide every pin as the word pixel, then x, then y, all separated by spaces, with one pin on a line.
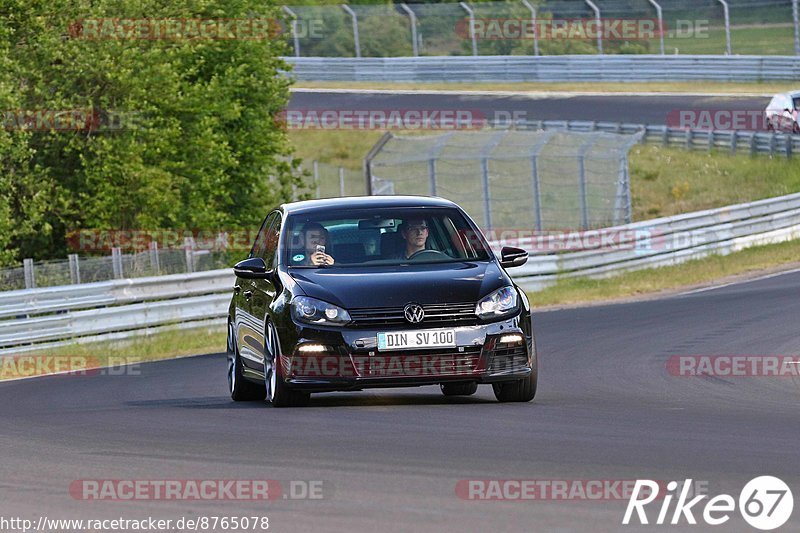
pixel 270 251
pixel 259 245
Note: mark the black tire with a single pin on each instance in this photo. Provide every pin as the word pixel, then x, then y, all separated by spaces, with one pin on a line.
pixel 523 390
pixel 240 388
pixel 459 389
pixel 277 392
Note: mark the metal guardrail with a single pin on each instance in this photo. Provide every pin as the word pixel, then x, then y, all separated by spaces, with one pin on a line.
pixel 665 241
pixel 41 318
pixel 753 142
pixel 110 293
pixel 571 68
pixel 34 318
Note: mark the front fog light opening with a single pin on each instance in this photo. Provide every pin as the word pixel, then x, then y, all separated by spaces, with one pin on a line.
pixel 312 348
pixel 513 338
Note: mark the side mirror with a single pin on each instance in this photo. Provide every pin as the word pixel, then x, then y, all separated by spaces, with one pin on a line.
pixel 513 257
pixel 252 268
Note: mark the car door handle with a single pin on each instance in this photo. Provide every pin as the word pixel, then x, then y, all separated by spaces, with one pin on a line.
pixel 247 294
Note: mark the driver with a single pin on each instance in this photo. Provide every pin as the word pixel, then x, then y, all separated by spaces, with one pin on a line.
pixel 415 234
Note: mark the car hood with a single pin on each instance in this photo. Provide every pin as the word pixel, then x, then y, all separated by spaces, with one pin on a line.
pixel 360 287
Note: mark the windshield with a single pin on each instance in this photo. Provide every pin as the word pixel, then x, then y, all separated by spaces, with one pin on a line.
pixel 339 238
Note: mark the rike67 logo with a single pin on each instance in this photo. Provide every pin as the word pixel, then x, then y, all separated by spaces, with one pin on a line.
pixel 765 503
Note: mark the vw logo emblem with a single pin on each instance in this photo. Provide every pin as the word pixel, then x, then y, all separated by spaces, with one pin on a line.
pixel 414 313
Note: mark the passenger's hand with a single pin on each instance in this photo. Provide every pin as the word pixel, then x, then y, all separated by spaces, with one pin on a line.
pixel 321 259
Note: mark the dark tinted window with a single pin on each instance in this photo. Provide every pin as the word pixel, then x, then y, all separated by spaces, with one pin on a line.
pixel 261 239
pixel 272 236
pixel 386 236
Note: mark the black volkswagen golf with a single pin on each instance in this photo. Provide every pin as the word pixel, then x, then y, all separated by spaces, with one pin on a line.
pixel 380 291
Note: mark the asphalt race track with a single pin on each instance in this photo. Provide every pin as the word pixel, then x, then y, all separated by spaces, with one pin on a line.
pixel 389 460
pixel 646 109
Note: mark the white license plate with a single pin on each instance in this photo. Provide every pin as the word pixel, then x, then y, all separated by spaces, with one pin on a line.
pixel 410 340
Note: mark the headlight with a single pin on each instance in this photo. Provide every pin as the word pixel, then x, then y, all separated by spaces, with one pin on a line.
pixel 313 311
pixel 500 303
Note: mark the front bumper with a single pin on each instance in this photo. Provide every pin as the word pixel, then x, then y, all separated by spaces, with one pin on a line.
pixel 349 359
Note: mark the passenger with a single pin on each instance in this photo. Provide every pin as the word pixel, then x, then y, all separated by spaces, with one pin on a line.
pixel 314 235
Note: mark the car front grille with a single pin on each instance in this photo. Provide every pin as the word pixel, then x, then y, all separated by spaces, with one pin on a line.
pixel 420 363
pixel 452 314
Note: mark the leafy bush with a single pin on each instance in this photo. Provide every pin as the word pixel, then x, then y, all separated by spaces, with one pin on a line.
pixel 204 150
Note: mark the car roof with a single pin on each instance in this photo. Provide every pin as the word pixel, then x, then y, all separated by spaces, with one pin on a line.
pixel 364 202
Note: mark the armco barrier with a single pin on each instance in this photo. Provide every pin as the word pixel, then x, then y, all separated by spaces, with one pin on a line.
pixel 38 318
pixel 568 68
pixel 108 293
pixel 752 142
pixel 668 241
pixel 34 318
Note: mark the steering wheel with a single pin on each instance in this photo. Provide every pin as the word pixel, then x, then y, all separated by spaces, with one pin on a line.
pixel 423 253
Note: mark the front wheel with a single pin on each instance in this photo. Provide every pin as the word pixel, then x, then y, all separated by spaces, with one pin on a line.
pixel 278 393
pixel 523 390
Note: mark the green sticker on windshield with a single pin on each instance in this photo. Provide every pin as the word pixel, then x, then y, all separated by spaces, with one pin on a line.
pixel 298 258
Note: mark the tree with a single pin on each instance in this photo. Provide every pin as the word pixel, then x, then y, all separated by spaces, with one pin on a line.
pixel 182 131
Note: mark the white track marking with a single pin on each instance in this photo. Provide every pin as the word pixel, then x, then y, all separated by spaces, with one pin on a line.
pixel 95 368
pixel 740 282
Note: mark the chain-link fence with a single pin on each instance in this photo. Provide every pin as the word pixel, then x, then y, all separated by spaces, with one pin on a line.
pixel 329 181
pixel 323 181
pixel 515 179
pixel 118 265
pixel 547 27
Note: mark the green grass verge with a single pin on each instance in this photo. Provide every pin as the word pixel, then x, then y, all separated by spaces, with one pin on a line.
pixel 667 181
pixel 655 280
pixel 163 345
pixel 342 148
pixel 764 40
